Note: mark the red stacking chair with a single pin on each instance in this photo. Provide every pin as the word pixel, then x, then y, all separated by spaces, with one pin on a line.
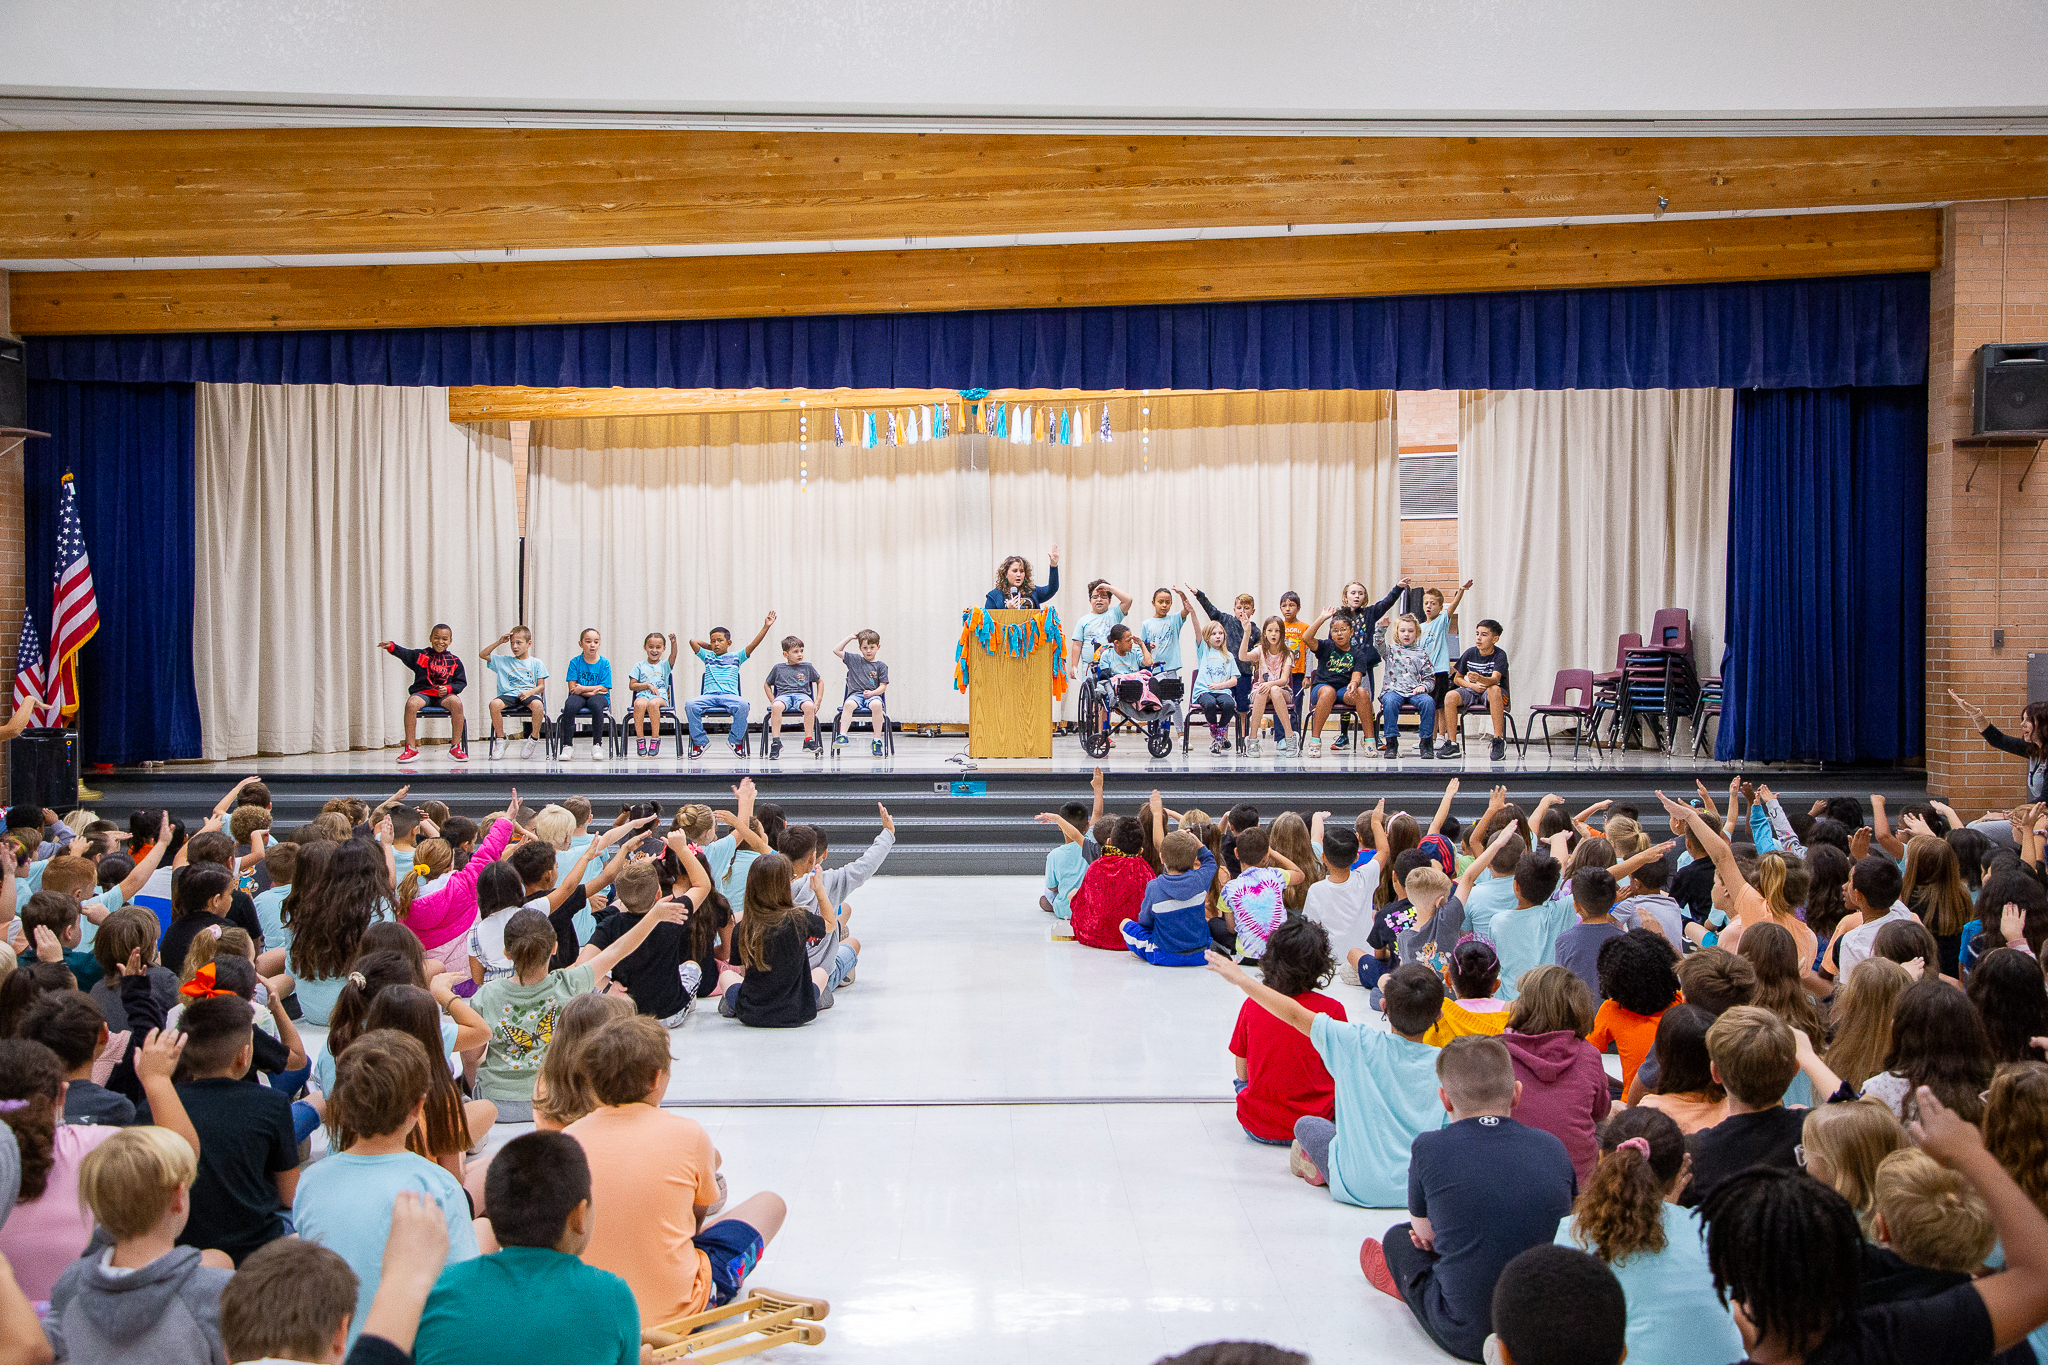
pixel 1671 629
pixel 1607 686
pixel 1569 680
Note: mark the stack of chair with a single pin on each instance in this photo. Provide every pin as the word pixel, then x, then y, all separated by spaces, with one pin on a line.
pixel 1658 682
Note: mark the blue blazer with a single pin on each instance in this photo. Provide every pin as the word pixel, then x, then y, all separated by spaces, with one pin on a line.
pixel 995 598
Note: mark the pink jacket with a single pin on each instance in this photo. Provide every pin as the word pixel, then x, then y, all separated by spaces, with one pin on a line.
pixel 442 915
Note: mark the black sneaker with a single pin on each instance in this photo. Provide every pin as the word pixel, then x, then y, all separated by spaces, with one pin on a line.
pixel 1500 750
pixel 1392 748
pixel 775 748
pixel 1450 750
pixel 1429 746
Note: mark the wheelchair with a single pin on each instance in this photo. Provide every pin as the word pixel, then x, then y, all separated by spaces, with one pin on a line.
pixel 1109 703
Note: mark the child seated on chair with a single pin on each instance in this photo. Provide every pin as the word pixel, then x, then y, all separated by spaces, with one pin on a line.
pixel 1338 676
pixel 721 689
pixel 539 1298
pixel 437 680
pixel 1479 679
pixel 1410 684
pixel 657 1171
pixel 649 683
pixel 867 680
pixel 590 693
pixel 792 685
pixel 1172 925
pixel 522 681
pixel 1216 675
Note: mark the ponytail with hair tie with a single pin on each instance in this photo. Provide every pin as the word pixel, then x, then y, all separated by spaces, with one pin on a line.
pixel 356 979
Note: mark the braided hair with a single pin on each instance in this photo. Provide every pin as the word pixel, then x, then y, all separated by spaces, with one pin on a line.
pixel 1788 1249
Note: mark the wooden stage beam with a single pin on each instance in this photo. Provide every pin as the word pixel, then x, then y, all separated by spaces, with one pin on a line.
pixel 1668 252
pixel 269 192
pixel 513 403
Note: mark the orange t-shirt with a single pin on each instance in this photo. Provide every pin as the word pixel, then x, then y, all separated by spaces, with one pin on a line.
pixel 1297 645
pixel 1632 1035
pixel 650 1171
pixel 1459 1020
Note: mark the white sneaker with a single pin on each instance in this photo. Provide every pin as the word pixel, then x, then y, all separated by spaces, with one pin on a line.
pixel 596 751
pixel 526 749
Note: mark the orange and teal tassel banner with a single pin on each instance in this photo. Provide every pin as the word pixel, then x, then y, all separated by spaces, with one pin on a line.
pixel 1018 641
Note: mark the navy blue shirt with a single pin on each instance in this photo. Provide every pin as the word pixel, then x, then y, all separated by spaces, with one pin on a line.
pixel 1491 1188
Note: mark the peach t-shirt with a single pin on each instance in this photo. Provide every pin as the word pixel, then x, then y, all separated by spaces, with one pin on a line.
pixel 47 1233
pixel 1751 908
pixel 649 1172
pixel 1690 1112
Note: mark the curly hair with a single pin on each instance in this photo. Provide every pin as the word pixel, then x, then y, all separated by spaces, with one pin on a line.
pixel 31 1072
pixel 1638 972
pixel 1003 575
pixel 2011 999
pixel 1297 957
pixel 1620 1213
pixel 2016 1126
pixel 1938 1041
pixel 1772 951
pixel 331 918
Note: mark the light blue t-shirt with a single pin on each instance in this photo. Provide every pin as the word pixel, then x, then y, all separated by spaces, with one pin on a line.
pixel 270 911
pixel 583 673
pixel 1386 1095
pixel 344 1204
pixel 722 672
pixel 584 920
pixel 655 675
pixel 1491 895
pixel 1436 642
pixel 1528 938
pixel 1129 661
pixel 1673 1316
pixel 517 675
pixel 729 864
pixel 323 1060
pixel 1092 630
pixel 1215 671
pixel 1064 868
pixel 1163 634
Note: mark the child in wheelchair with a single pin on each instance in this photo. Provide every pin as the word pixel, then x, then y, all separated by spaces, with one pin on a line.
pixel 1121 687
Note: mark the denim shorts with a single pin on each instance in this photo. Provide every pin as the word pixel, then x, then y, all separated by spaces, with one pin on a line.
pixel 735 1249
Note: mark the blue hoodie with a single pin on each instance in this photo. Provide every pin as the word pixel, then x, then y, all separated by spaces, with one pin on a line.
pixel 1173 908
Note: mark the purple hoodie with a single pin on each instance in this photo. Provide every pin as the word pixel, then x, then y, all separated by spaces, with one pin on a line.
pixel 1564 1091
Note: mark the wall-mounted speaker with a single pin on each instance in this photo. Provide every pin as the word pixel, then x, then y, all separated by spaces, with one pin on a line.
pixel 2012 388
pixel 13 383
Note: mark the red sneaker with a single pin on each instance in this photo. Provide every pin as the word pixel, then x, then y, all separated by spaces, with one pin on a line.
pixel 1372 1259
pixel 408 754
pixel 459 754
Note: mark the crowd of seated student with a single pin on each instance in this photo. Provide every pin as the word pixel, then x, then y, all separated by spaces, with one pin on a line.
pixel 1822 1036
pixel 157 1105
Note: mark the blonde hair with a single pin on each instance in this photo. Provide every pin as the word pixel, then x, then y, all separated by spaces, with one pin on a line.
pixel 1852 1140
pixel 431 858
pixel 697 822
pixel 554 826
pixel 1429 879
pixel 129 1180
pixel 1933 1217
pixel 1862 1013
pixel 1626 837
pixel 213 942
pixel 246 821
pixel 1288 834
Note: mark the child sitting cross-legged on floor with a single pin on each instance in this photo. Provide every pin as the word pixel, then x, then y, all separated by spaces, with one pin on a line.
pixel 1172 925
pixel 1256 897
pixel 1386 1085
pixel 1474 972
pixel 1114 886
pixel 1481 1191
pixel 1280 1078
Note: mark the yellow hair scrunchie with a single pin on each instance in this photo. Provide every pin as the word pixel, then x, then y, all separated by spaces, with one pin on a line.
pixel 423 869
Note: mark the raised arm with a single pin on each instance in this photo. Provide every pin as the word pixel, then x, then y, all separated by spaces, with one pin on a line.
pixel 1443 807
pixel 1053 818
pixel 1095 785
pixel 227 803
pixel 1153 809
pixel 1287 1011
pixel 663 912
pixel 132 884
pixel 762 633
pixel 1881 828
pixel 1469 878
pixel 1653 854
pixel 23 715
pixel 1193 609
pixel 826 910
pixel 1380 607
pixel 1579 821
pixel 156 1061
pixel 1718 851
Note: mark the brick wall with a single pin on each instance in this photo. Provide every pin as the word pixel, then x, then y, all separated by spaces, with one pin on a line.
pixel 1427 420
pixel 1987 544
pixel 13 555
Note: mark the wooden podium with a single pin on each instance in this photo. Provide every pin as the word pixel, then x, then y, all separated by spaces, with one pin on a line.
pixel 1009 700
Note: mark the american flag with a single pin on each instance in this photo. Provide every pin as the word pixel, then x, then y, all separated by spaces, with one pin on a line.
pixel 28 670
pixel 75 610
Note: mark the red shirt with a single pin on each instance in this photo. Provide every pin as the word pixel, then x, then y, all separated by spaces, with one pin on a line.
pixel 1111 891
pixel 1288 1078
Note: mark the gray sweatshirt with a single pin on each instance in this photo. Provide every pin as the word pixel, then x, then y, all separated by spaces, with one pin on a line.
pixel 841 882
pixel 166 1313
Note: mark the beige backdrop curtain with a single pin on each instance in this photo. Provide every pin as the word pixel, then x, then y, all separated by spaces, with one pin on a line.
pixel 679 523
pixel 1582 512
pixel 331 517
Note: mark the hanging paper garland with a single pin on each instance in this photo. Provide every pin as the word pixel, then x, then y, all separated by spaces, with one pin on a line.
pixel 1105 424
pixel 838 432
pixel 1019 641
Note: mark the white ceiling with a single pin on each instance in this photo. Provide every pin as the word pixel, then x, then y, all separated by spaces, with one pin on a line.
pixel 1418 65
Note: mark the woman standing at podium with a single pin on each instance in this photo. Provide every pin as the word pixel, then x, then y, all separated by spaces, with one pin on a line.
pixel 1013 588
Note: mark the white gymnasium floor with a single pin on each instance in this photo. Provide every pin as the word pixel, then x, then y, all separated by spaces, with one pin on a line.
pixel 1002 1149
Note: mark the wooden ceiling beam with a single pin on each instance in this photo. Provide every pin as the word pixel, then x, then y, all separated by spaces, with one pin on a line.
pixel 113 301
pixel 268 192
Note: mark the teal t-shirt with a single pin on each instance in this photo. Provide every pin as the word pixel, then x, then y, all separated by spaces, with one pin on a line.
pixel 270 911
pixel 1490 896
pixel 583 673
pixel 517 675
pixel 1162 633
pixel 722 672
pixel 1386 1095
pixel 344 1204
pixel 528 1306
pixel 1528 938
pixel 729 865
pixel 1673 1316
pixel 1064 868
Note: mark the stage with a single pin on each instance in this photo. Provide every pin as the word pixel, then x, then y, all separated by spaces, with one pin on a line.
pixel 960 816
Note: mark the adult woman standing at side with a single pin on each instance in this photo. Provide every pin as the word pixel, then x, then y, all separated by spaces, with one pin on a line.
pixel 2028 745
pixel 1013 589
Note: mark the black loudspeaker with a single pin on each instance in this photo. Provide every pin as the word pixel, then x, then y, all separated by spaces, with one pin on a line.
pixel 13 383
pixel 42 769
pixel 2012 388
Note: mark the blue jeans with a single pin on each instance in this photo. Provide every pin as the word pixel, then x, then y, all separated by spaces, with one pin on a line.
pixel 1390 713
pixel 694 711
pixel 844 960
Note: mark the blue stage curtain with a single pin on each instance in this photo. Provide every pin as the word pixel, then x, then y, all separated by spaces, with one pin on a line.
pixel 1827 535
pixel 130 446
pixel 1869 330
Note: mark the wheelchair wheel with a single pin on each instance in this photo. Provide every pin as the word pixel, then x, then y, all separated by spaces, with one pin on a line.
pixel 1159 742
